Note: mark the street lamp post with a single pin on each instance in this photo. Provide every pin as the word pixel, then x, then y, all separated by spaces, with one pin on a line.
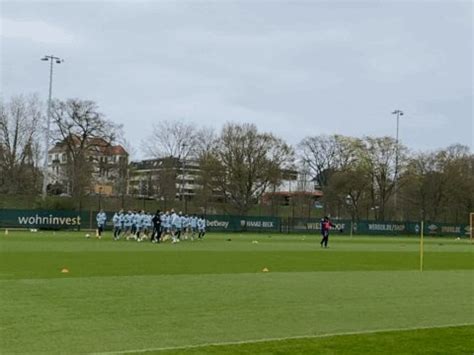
pixel 52 59
pixel 350 205
pixel 398 113
pixel 306 180
pixel 100 198
pixel 183 167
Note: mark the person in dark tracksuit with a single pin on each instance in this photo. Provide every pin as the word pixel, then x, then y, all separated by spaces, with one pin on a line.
pixel 156 235
pixel 326 225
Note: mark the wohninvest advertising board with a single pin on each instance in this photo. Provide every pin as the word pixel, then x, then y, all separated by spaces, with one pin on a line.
pixel 40 219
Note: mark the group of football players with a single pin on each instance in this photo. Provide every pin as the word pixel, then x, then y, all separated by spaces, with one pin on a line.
pixel 163 226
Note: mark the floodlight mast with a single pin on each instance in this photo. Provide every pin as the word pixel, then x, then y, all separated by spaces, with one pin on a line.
pixel 398 113
pixel 52 59
pixel 183 169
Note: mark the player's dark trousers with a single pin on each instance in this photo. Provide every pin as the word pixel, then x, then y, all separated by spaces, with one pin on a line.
pixel 324 241
pixel 156 235
pixel 117 231
pixel 100 229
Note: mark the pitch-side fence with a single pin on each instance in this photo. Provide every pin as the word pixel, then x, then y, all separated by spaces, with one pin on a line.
pixel 73 220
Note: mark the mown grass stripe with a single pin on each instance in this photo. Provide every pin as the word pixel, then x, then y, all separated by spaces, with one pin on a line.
pixel 255 341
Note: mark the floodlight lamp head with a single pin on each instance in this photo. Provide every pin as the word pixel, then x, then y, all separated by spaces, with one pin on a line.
pixel 44 58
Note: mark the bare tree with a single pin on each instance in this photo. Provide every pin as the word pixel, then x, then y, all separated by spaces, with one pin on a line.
pixel 347 188
pixel 423 188
pixel 123 169
pixel 171 139
pixel 174 143
pixel 83 132
pixel 205 142
pixel 330 160
pixel 439 185
pixel 326 154
pixel 19 145
pixel 166 180
pixel 206 190
pixel 246 162
pixel 457 164
pixel 379 160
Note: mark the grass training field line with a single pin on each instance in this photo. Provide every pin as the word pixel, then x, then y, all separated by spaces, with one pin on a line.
pixel 264 340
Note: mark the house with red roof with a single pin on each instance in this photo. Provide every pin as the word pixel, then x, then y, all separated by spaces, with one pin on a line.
pixel 109 166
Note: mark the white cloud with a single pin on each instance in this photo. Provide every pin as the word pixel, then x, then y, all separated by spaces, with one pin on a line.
pixel 35 31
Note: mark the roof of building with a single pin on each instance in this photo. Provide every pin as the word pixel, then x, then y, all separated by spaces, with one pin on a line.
pixel 159 163
pixel 115 150
pixel 100 144
pixel 316 193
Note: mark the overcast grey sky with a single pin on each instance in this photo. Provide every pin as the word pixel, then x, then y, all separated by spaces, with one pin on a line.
pixel 293 68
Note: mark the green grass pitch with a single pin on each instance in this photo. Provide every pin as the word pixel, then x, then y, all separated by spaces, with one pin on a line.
pixel 363 295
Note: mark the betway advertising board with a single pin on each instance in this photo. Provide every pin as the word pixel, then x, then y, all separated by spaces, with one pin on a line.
pixel 40 219
pixel 221 223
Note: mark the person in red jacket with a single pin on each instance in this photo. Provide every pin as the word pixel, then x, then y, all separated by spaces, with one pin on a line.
pixel 326 225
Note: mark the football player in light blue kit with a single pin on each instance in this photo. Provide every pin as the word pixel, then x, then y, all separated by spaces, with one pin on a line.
pixel 172 219
pixel 201 227
pixel 148 224
pixel 163 224
pixel 122 221
pixel 127 222
pixel 178 225
pixel 193 223
pixel 101 219
pixel 166 225
pixel 139 223
pixel 185 222
pixel 135 217
pixel 117 220
pixel 133 228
